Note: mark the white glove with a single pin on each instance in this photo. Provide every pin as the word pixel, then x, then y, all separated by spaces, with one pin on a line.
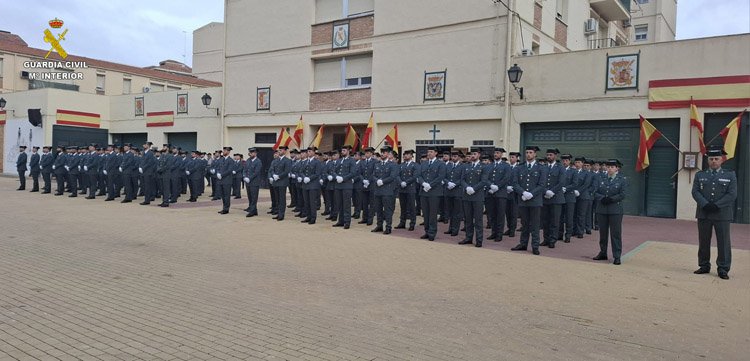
pixel 469 190
pixel 366 183
pixel 53 166
pixel 218 175
pixel 234 172
pixel 426 186
pixel 270 180
pixel 275 177
pixel 246 179
pixel 213 171
pixel 119 168
pixel 321 182
pixel 40 167
pixel 339 179
pixel 577 193
pixel 292 175
pixel 380 182
pixel 549 194
pixel 140 170
pixel 403 184
pixel 493 188
pixel 187 172
pixel 565 190
pixel 526 196
pixel 79 167
pixel 105 172
pixel 306 180
pixel 451 185
pixel 330 178
pixel 509 189
pixel 67 168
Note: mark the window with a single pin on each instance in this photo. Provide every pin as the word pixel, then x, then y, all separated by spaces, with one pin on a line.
pixel 643 1
pixel 126 85
pixel 641 33
pixel 265 138
pixel 354 71
pixel 561 7
pixel 329 10
pixel 155 87
pixel 170 87
pixel 358 7
pixel 100 84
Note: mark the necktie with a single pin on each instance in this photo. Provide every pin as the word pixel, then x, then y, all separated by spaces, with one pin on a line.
pixel 528 166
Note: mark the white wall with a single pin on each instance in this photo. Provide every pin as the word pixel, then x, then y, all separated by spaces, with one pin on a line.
pixel 20 132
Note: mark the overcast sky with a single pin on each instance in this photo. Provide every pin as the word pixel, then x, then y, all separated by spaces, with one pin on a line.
pixel 143 32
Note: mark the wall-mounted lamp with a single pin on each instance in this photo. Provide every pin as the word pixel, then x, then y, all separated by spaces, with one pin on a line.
pixel 514 75
pixel 206 99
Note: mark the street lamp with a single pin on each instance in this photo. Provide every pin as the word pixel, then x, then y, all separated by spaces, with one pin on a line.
pixel 2 103
pixel 514 75
pixel 206 99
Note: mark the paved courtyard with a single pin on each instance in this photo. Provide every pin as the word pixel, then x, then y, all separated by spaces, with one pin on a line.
pixel 88 280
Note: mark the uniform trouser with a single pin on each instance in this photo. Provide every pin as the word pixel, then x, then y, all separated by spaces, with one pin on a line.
pixel 312 202
pixel 430 207
pixel 73 184
pixel 367 199
pixel 455 212
pixel 131 182
pixel 226 195
pixel 83 181
pixel 723 243
pixel 408 204
pixel 149 187
pixel 300 200
pixel 47 177
pixel 237 186
pixel 215 189
pixel 583 207
pixel 184 184
pixel 22 179
pixel 344 205
pixel 490 208
pixel 610 224
pixel 594 217
pixel 383 207
pixel 511 212
pixel 252 198
pixel 200 185
pixel 166 189
pixel 499 215
pixel 274 202
pixel 474 220
pixel 280 200
pixel 530 223
pixel 35 181
pixel 60 177
pixel 93 184
pixel 357 201
pixel 567 220
pixel 157 185
pixel 111 185
pixel 194 185
pixel 293 193
pixel 551 221
pixel 441 208
pixel 418 205
pixel 590 214
pixel 119 183
pixel 174 183
pixel 331 204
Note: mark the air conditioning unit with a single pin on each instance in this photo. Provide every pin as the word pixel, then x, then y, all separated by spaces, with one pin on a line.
pixel 527 52
pixel 626 23
pixel 592 26
pixel 146 89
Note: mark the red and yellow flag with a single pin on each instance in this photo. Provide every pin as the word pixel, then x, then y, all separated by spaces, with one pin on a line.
pixel 79 119
pixel 730 134
pixel 160 119
pixel 649 136
pixel 351 138
pixel 697 123
pixel 3 117
pixel 392 137
pixel 283 140
pixel 298 133
pixel 368 133
pixel 318 137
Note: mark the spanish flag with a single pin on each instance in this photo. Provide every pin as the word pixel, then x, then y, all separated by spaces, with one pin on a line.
pixel 730 134
pixel 649 136
pixel 697 123
pixel 283 140
pixel 3 117
pixel 368 133
pixel 79 119
pixel 318 137
pixel 351 138
pixel 160 119
pixel 298 132
pixel 392 137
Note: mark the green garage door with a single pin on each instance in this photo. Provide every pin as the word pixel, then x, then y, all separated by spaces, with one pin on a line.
pixel 186 141
pixel 136 139
pixel 653 192
pixel 714 123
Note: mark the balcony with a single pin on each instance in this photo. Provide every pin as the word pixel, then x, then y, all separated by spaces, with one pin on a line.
pixel 612 10
pixel 602 43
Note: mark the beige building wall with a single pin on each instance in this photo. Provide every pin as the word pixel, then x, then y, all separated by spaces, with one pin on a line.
pixel 208 52
pixel 661 18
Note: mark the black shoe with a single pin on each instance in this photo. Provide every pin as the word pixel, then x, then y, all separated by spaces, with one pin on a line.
pixel 234 197
pixel 82 192
pixel 447 232
pixel 73 195
pixel 588 232
pixel 465 241
pixel 454 234
pixel 325 213
pixel 431 238
pixel 617 262
pixel 491 237
pixel 173 201
pixel 164 205
pixel 191 200
pixel 33 190
pixel 518 248
pixel 311 222
pixel 377 229
pixel 400 226
pixel 356 216
pixel 551 245
pixel 222 212
pixel 579 236
pixel 330 219
pixel 144 203
pixel 58 194
pixel 424 236
pixel 701 271
pixel 275 217
pixel 506 233
pixel 545 243
pixel 21 189
pixel 421 224
pixel 368 224
pixel 387 231
pixel 346 226
pixel 499 239
pixel 535 251
pixel 280 219
pixel 91 197
pixel 46 192
pixel 463 229
pixel 724 275
pixel 559 238
pixel 600 257
pixel 362 222
pixel 411 227
pixel 101 194
pixel 338 225
pixel 304 220
pixel 488 226
pixel 596 228
pixel 567 240
pixel 291 206
pixel 270 212
pixel 249 215
pixel 512 234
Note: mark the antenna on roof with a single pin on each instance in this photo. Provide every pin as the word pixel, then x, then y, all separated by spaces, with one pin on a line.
pixel 184 50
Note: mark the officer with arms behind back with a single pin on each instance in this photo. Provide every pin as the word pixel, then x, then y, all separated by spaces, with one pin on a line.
pixel 610 194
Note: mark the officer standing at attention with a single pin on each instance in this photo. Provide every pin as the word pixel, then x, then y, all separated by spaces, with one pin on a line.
pixel 34 169
pixel 148 169
pixel 511 215
pixel 91 167
pixel 59 168
pixel 430 177
pixel 366 170
pixel 530 184
pixel 251 176
pixel 714 191
pixel 408 173
pixel 610 194
pixel 312 170
pixel 384 176
pixel 344 174
pixel 21 167
pixel 72 167
pixel 226 178
pixel 567 223
pixel 165 172
pixel 500 179
pixel 554 198
pixel 454 193
pixel 45 165
pixel 474 178
pixel 583 179
pixel 280 181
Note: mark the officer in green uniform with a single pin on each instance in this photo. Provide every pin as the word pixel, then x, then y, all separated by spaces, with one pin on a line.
pixel 714 191
pixel 610 194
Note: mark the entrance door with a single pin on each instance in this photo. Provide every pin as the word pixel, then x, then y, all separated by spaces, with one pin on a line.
pixel 137 139
pixel 66 135
pixel 186 141
pixel 714 123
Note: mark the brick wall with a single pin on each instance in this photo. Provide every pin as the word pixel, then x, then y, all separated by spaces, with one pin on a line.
pixel 344 99
pixel 359 28
pixel 538 15
pixel 561 33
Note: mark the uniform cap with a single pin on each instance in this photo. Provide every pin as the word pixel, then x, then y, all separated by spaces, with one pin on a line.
pixel 532 147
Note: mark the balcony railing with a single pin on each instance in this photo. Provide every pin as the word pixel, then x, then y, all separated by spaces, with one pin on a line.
pixel 602 43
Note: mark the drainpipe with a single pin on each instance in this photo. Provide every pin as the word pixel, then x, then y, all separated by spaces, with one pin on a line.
pixel 224 81
pixel 508 54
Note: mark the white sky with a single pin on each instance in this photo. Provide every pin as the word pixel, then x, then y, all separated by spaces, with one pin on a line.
pixel 143 32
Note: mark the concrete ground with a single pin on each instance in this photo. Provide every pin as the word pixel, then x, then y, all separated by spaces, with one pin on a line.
pixel 89 280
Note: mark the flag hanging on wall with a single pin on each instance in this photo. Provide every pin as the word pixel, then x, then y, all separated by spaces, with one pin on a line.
pixel 649 136
pixel 298 132
pixel 368 133
pixel 730 134
pixel 697 123
pixel 283 139
pixel 318 137
pixel 392 137
pixel 351 138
